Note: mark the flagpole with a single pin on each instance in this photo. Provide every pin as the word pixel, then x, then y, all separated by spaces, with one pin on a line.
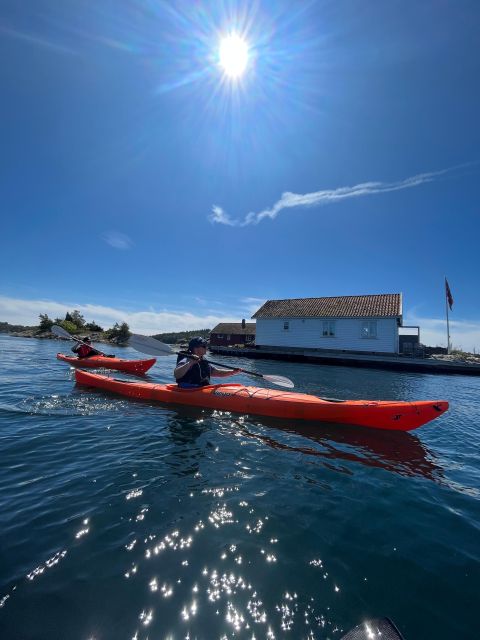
pixel 448 324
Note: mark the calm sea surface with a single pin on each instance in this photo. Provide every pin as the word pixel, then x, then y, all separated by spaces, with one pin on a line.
pixel 121 519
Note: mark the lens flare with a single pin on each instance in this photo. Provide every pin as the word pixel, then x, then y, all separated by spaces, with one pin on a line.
pixel 233 55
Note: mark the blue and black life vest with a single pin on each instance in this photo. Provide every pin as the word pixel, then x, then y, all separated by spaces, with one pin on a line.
pixel 198 375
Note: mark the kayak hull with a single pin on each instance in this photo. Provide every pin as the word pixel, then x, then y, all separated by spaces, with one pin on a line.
pixel 97 362
pixel 395 415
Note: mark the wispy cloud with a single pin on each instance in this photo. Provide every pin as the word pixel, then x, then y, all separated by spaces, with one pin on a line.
pixel 36 41
pixel 290 200
pixel 117 240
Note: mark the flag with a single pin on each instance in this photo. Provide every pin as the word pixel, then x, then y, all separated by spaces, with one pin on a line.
pixel 448 293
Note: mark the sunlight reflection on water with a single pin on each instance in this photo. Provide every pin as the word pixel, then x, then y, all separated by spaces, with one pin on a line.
pixel 124 519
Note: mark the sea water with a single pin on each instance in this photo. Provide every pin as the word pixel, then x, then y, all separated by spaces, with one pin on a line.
pixel 125 519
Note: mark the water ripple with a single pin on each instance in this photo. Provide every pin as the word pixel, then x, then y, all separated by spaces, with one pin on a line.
pixel 123 519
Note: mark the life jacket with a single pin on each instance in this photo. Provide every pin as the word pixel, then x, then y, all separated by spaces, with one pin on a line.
pixel 83 350
pixel 199 374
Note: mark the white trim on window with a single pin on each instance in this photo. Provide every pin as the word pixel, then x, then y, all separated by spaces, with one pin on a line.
pixel 369 329
pixel 328 329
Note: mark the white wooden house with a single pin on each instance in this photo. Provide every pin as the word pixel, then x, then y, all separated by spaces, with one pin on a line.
pixel 345 323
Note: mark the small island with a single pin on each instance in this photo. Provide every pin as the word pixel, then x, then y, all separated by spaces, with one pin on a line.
pixel 75 323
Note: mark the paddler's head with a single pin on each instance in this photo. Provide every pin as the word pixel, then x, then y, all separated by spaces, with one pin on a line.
pixel 197 346
pixel 87 339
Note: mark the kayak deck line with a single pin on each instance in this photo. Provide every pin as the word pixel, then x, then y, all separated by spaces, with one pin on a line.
pixel 377 414
pixel 251 391
pixel 105 362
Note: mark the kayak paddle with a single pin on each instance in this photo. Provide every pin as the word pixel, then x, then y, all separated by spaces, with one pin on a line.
pixel 153 347
pixel 62 333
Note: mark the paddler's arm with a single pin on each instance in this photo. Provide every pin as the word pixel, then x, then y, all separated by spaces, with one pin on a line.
pixel 182 369
pixel 223 373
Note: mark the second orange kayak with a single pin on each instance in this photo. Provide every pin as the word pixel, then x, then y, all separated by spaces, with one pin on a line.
pixel 98 362
pixel 395 415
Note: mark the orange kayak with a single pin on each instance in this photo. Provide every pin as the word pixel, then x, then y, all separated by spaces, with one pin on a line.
pixel 97 362
pixel 398 416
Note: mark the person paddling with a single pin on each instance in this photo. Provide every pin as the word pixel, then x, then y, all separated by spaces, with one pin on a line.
pixel 194 370
pixel 84 349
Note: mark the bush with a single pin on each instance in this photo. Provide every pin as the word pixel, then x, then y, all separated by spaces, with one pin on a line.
pixel 93 326
pixel 69 326
pixel 119 332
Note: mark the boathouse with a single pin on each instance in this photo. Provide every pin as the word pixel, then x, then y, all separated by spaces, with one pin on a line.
pixel 228 334
pixel 368 323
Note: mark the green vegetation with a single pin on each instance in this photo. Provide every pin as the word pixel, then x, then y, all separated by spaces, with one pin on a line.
pixel 45 323
pixel 182 336
pixel 74 323
pixel 119 332
pixel 6 327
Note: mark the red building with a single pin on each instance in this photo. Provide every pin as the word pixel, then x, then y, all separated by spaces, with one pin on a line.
pixel 228 334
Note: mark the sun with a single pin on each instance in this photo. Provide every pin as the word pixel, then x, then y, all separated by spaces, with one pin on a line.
pixel 233 55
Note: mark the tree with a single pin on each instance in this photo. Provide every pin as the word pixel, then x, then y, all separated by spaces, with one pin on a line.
pixel 93 326
pixel 77 318
pixel 119 332
pixel 45 322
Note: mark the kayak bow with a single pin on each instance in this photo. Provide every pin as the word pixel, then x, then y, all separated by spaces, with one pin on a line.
pixel 390 415
pixel 97 362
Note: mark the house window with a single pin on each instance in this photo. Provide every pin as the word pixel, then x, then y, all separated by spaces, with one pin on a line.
pixel 328 329
pixel 228 336
pixel 286 325
pixel 369 329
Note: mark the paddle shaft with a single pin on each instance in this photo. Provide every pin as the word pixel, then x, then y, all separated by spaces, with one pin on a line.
pixel 225 366
pixel 75 339
pixel 154 347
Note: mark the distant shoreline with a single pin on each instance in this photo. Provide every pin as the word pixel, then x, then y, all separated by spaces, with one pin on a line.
pixel 48 335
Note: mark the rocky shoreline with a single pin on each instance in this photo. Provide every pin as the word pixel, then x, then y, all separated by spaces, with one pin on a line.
pixel 457 357
pixel 47 335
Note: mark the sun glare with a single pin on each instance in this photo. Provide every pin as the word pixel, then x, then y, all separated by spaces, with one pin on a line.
pixel 233 55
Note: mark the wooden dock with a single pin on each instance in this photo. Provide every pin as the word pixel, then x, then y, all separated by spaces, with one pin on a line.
pixel 374 361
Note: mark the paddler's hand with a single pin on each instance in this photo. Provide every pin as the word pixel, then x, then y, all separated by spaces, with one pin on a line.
pixel 235 371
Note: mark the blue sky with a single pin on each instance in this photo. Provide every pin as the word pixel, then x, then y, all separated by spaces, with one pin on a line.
pixel 139 183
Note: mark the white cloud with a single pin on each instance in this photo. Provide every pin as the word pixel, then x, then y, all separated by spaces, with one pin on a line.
pixel 433 331
pixel 26 312
pixel 327 196
pixel 251 305
pixel 117 240
pixel 464 334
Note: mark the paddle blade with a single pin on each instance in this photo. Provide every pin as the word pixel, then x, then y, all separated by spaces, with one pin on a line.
pixel 150 346
pixel 60 332
pixel 280 380
pixel 380 628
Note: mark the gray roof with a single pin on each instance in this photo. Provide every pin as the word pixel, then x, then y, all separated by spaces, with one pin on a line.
pixel 384 305
pixel 235 328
